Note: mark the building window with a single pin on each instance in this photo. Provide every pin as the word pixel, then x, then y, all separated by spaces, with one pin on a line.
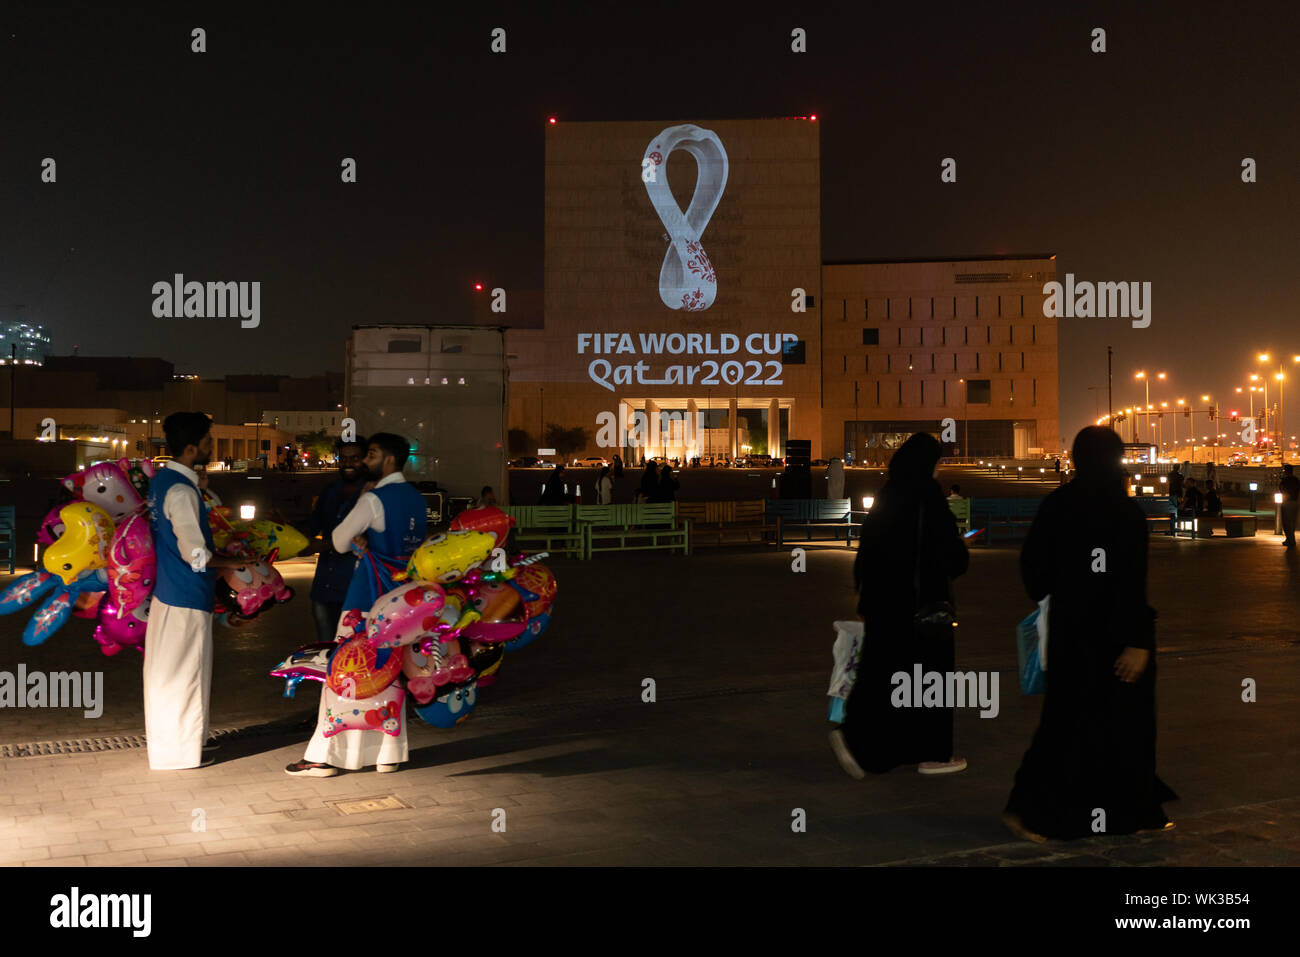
pixel 932 307
pixel 1022 362
pixel 900 335
pixel 888 306
pixel 1033 335
pixel 846 364
pixel 954 307
pixel 1011 334
pixel 909 307
pixel 871 337
pixel 965 331
pixel 979 392
pixel 999 362
pixel 1035 392
pixel 889 362
pixel 988 335
pixel 931 361
pixel 403 345
pixel 999 307
pixel 793 353
pixel 866 363
pixel 945 392
pixel 810 301
pixel 900 392
pixel 877 392
pixel 844 308
pixel 977 307
pixel 1022 305
pixel 922 392
pixel 944 336
pixel 454 343
pixel 977 362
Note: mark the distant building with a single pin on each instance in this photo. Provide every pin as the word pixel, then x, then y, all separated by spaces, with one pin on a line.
pixel 24 343
pixel 297 422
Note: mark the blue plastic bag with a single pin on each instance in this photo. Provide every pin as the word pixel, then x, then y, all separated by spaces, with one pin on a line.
pixel 1032 675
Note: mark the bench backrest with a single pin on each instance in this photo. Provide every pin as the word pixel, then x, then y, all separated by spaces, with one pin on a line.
pixel 7 517
pixel 1027 507
pixel 695 511
pixel 553 516
pixel 522 514
pixel 788 508
pixel 1156 506
pixel 830 509
pixel 658 513
pixel 709 513
pixel 750 511
pixel 598 514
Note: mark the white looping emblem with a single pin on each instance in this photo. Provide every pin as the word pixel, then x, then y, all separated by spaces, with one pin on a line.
pixel 686 279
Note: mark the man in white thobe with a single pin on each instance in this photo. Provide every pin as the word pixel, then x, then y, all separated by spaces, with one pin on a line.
pixel 178 640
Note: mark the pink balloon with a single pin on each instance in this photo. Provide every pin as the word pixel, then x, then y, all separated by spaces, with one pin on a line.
pixel 107 486
pixel 132 564
pixel 405 615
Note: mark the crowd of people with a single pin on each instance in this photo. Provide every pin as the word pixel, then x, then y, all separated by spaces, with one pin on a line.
pixel 1095 744
pixel 658 484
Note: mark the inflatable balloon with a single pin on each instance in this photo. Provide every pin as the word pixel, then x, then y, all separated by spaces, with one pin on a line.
pixel 107 486
pixel 382 712
pixel 428 675
pixel 267 536
pixel 501 613
pixel 87 604
pixel 25 590
pixel 489 519
pixel 405 615
pixel 51 616
pixel 359 671
pixel 450 556
pixel 538 581
pixel 244 591
pixel 451 708
pixel 132 565
pixel 51 527
pixel 87 531
pixel 486 660
pixel 530 633
pixel 117 630
pixel 138 473
pixel 309 663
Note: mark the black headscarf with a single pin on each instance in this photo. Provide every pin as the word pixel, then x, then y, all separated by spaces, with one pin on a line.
pixel 911 470
pixel 1097 453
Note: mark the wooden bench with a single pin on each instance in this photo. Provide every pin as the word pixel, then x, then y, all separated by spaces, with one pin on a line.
pixel 622 528
pixel 811 515
pixel 1160 510
pixel 8 536
pixel 960 508
pixel 719 523
pixel 1012 515
pixel 546 528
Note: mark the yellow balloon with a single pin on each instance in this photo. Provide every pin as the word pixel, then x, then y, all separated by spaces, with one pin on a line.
pixel 448 557
pixel 87 532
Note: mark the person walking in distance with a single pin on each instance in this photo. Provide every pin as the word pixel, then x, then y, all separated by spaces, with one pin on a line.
pixel 1095 747
pixel 1289 486
pixel 178 665
pixel 334 568
pixel 604 488
pixel 909 552
pixel 385 526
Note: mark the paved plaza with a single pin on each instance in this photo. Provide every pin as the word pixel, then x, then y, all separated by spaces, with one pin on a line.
pixel 712 772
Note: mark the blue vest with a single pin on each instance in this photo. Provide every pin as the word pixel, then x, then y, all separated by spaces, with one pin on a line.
pixel 178 585
pixel 405 521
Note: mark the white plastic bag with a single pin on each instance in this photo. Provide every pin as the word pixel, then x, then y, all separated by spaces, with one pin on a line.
pixel 846 651
pixel 1043 607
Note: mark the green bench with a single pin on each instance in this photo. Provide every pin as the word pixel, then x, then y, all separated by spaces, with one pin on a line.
pixel 621 528
pixel 547 528
pixel 1011 515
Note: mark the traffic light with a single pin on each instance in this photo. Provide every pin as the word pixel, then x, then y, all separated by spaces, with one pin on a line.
pixel 1211 413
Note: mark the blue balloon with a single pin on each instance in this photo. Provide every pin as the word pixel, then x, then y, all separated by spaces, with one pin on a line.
pixel 530 634
pixel 450 709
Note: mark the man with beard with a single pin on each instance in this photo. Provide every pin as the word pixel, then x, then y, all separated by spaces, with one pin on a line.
pixel 334 568
pixel 178 664
pixel 385 526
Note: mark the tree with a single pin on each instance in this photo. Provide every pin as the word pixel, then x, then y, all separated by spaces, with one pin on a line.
pixel 566 441
pixel 317 444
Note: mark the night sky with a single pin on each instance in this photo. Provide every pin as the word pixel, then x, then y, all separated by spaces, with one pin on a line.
pixel 225 165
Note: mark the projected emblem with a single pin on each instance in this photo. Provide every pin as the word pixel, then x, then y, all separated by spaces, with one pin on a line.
pixel 686 279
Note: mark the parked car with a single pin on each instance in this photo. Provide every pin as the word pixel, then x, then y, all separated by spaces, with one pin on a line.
pixel 1238 458
pixel 591 462
pixel 525 462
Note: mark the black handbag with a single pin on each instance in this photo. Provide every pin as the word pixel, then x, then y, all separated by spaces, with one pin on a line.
pixel 935 619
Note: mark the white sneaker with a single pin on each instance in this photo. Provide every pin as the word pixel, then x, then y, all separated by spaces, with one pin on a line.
pixel 845 756
pixel 386 768
pixel 941 767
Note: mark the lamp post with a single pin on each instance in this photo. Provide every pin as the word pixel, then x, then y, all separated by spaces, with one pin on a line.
pixel 1142 375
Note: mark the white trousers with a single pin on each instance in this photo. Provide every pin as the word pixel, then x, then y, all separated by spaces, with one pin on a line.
pixel 354 750
pixel 177 685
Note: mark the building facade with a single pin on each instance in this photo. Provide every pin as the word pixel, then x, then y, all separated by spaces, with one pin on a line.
pixel 23 343
pixel 687 311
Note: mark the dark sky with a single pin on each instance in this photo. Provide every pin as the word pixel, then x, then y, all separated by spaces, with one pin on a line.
pixel 225 166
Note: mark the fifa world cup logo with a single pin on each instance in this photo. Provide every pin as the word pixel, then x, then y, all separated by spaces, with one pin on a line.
pixel 687 279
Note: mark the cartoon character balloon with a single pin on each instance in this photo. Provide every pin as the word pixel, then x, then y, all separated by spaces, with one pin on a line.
pixel 359 671
pixel 132 564
pixel 500 609
pixel 450 708
pixel 108 486
pixel 309 663
pixel 382 712
pixel 244 591
pixel 489 519
pixel 449 556
pixel 117 630
pixel 83 546
pixel 430 674
pixel 405 615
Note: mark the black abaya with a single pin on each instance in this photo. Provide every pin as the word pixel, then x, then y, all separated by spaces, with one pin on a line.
pixel 1095 744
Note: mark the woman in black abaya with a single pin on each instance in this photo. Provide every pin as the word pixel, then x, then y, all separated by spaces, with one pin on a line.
pixel 876 736
pixel 1091 766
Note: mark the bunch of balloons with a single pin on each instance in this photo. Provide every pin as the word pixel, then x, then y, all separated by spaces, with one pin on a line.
pixel 439 636
pixel 99 562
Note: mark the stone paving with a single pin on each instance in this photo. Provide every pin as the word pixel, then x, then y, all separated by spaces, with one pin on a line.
pixel 712 772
